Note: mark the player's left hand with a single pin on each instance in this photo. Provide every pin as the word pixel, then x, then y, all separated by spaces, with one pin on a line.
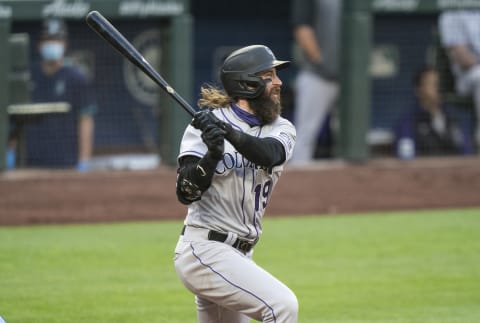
pixel 213 137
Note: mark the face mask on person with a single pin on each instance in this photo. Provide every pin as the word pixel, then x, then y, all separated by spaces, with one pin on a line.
pixel 52 51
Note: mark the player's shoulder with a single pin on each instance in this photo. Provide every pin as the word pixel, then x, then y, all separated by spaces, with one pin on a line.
pixel 279 126
pixel 281 121
pixel 227 115
pixel 222 113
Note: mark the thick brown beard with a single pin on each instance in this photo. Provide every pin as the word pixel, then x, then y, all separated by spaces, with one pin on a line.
pixel 265 108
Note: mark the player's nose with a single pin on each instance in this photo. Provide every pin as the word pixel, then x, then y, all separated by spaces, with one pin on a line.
pixel 277 81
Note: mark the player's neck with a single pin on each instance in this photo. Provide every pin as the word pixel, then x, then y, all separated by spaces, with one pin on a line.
pixel 244 105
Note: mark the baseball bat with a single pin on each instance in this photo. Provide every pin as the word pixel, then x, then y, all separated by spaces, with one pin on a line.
pixel 109 33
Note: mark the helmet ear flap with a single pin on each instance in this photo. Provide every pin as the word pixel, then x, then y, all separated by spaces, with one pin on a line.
pixel 239 85
pixel 254 88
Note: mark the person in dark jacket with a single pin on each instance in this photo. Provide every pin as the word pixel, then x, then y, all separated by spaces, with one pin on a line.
pixel 429 128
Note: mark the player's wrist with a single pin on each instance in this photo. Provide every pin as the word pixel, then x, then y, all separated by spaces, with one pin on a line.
pixel 212 157
pixel 235 137
pixel 203 172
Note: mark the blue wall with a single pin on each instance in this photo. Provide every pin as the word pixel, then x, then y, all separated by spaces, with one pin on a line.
pixel 412 35
pixel 236 24
pixel 225 25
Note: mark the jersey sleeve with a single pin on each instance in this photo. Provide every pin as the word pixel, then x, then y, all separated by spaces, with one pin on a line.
pixel 285 133
pixel 192 144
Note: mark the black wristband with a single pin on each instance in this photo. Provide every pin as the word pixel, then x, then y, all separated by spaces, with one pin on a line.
pixel 206 168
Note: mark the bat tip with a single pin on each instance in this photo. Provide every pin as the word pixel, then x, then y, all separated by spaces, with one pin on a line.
pixel 92 14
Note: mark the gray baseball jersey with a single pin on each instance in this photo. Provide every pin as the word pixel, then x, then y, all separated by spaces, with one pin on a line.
pixel 240 190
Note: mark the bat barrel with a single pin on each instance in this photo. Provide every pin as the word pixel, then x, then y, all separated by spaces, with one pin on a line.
pixel 109 33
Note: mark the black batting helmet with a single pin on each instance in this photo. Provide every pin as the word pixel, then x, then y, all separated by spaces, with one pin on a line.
pixel 239 69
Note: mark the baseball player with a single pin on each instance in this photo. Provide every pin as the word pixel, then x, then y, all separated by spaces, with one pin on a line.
pixel 231 157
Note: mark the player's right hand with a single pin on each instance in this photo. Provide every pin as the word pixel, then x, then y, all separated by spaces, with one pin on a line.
pixel 213 136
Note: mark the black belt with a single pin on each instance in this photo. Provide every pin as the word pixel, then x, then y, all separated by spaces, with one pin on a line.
pixel 239 244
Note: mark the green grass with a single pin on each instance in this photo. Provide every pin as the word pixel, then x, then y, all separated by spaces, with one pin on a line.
pixel 393 267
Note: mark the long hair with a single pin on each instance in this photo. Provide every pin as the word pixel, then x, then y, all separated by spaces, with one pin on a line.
pixel 213 97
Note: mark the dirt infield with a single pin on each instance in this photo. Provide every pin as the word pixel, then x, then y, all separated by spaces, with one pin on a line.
pixel 39 197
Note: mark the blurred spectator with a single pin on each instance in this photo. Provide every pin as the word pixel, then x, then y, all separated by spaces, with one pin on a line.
pixel 429 127
pixel 316 28
pixel 459 33
pixel 60 140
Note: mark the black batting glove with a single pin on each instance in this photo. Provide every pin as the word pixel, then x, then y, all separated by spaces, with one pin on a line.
pixel 213 137
pixel 203 118
pixel 206 117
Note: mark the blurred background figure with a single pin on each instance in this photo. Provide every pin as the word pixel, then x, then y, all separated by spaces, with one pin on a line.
pixel 60 140
pixel 429 128
pixel 459 34
pixel 316 29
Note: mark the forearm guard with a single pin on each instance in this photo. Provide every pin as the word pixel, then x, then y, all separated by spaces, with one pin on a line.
pixel 266 152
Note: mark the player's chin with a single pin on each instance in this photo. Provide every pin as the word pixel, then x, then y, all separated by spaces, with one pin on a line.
pixel 275 97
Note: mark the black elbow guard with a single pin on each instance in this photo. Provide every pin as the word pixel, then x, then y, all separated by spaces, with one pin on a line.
pixel 187 192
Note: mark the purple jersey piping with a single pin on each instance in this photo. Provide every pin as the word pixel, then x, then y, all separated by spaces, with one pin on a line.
pixel 243 202
pixel 244 170
pixel 191 152
pixel 230 122
pixel 232 283
pixel 253 175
